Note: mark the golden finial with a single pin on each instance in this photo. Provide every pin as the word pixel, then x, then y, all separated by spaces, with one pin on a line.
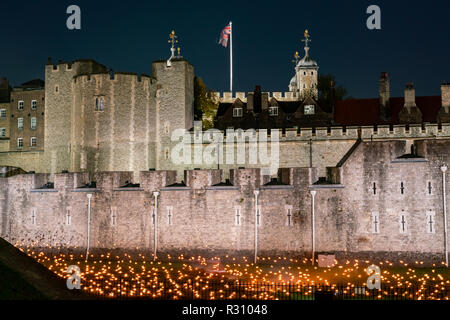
pixel 296 55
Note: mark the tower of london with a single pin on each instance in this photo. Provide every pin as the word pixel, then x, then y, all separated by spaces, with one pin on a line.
pixel 371 170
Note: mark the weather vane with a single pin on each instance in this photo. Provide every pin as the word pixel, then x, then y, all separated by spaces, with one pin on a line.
pixel 296 57
pixel 172 40
pixel 307 40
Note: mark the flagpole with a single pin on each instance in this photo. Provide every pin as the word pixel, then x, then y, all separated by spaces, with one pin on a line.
pixel 231 57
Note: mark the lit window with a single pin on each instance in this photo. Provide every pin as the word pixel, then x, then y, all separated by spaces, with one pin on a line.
pixel 20 123
pixel 2 113
pixel 21 104
pixel 237 112
pixel 33 142
pixel 309 109
pixel 273 111
pixel 33 104
pixel 33 123
pixel 19 142
pixel 2 132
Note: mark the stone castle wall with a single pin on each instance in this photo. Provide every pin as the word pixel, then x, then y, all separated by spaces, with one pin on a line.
pixel 201 216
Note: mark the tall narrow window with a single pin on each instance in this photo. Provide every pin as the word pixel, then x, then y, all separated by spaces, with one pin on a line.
pixel 33 123
pixel 237 216
pixel 33 104
pixel 166 154
pixel 19 142
pixel 33 142
pixel 430 189
pixel 68 218
pixel 289 216
pixel 20 123
pixel 374 188
pixel 33 216
pixel 96 104
pixel 430 222
pixel 169 216
pixel 403 225
pixel 113 217
pixel 101 104
pixel 20 105
pixel 402 188
pixel 375 222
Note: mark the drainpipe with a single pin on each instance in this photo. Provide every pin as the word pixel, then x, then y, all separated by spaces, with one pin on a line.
pixel 313 225
pixel 155 229
pixel 444 196
pixel 256 192
pixel 89 196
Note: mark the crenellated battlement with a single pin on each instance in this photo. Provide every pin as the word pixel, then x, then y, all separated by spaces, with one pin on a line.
pixel 114 76
pixel 382 132
pixel 229 97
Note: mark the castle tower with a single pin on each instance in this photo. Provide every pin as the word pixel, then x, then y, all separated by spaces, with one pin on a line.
pixel 174 104
pixel 59 110
pixel 304 84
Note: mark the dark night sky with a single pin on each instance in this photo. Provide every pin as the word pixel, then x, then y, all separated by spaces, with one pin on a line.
pixel 413 45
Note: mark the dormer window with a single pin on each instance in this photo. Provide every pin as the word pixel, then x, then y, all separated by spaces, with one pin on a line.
pixel 237 112
pixel 273 111
pixel 309 109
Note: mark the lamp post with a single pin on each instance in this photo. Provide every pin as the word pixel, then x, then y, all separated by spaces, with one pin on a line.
pixel 89 196
pixel 313 226
pixel 155 222
pixel 256 192
pixel 444 197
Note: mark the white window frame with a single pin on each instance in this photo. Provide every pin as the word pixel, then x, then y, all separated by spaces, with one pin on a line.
pixel 375 227
pixel 313 109
pixel 289 216
pixel 20 105
pixel 20 123
pixel 35 123
pixel 431 214
pixel 400 227
pixel 237 112
pixel 31 142
pixel 2 132
pixel 271 111
pixel 19 142
pixel 237 216
pixel 2 113
pixel 33 104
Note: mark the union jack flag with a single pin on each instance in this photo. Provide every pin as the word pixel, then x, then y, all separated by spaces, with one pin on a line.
pixel 224 35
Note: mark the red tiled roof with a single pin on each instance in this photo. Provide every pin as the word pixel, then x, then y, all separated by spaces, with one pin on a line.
pixel 355 112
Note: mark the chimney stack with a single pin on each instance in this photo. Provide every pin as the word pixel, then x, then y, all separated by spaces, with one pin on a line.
pixel 410 96
pixel 445 96
pixel 384 92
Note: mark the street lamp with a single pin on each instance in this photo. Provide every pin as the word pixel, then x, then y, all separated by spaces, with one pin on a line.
pixel 444 197
pixel 155 221
pixel 313 226
pixel 89 196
